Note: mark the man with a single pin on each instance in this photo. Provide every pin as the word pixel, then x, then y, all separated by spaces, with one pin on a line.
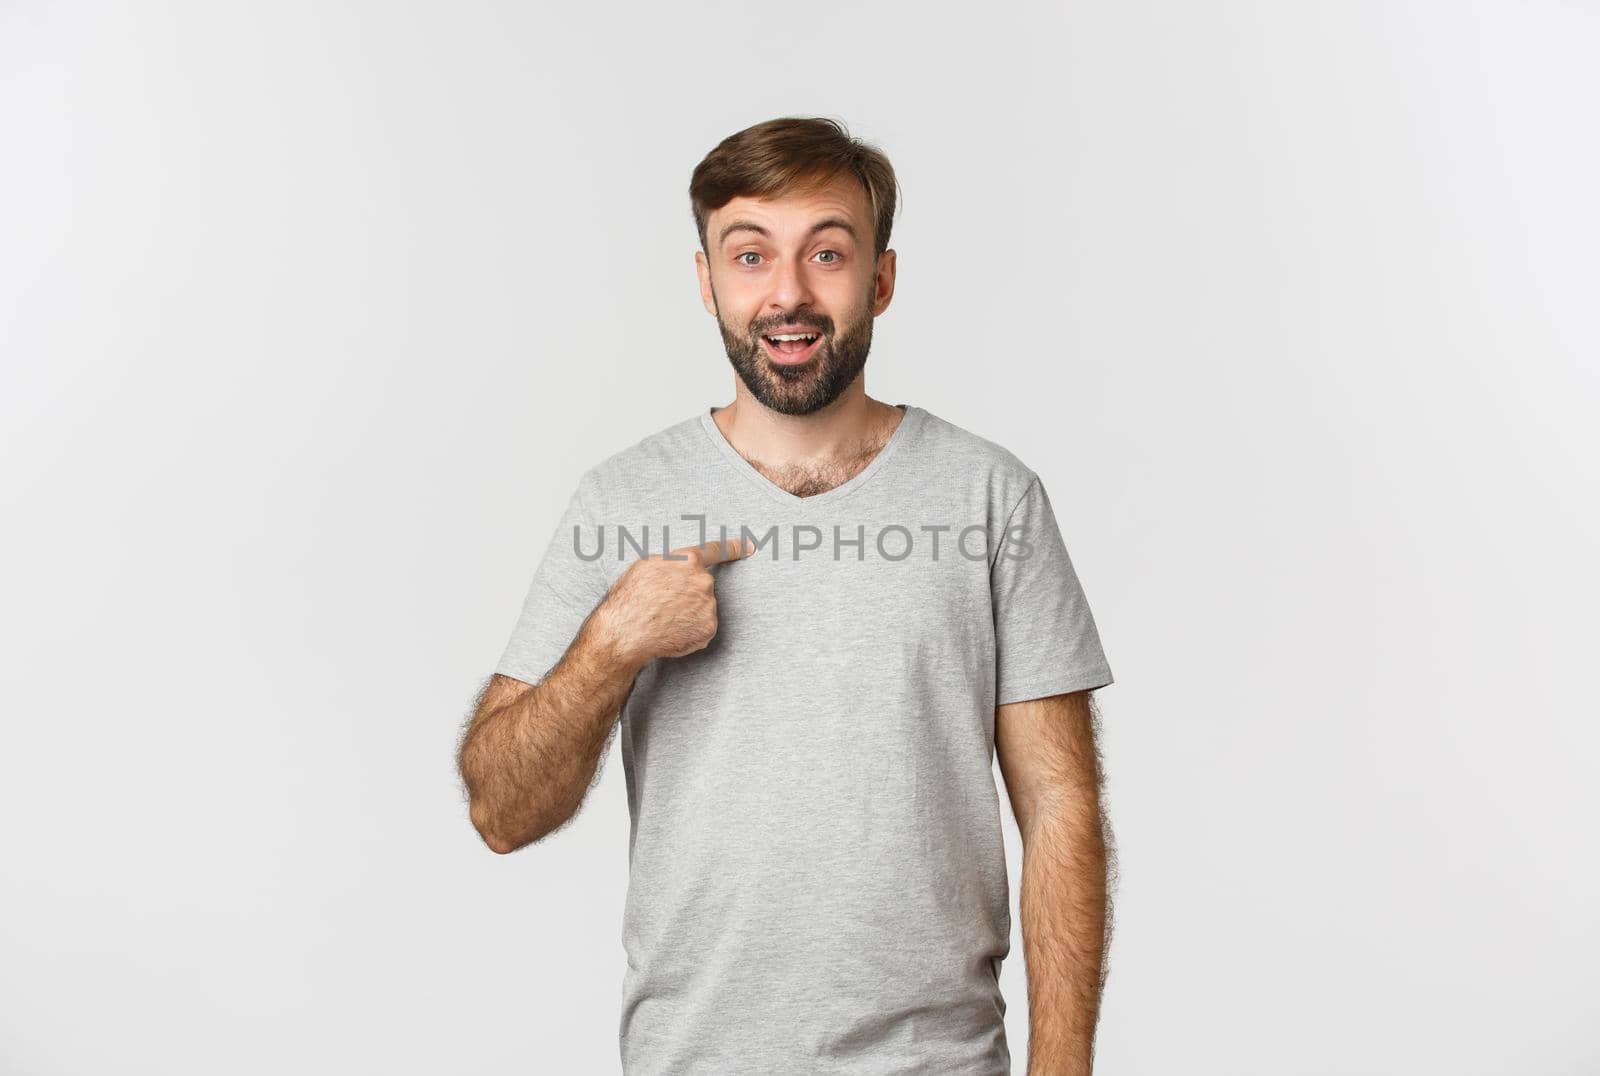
pixel 811 701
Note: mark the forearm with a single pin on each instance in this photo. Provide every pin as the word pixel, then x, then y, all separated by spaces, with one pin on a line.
pixel 1064 903
pixel 528 763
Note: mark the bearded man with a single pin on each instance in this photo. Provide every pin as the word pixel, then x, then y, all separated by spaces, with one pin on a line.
pixel 817 876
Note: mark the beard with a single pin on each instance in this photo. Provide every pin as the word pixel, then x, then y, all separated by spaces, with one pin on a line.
pixel 814 384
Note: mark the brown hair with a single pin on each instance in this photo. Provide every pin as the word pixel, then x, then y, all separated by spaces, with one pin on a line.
pixel 792 154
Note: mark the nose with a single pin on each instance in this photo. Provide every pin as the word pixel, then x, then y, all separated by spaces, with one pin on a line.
pixel 790 289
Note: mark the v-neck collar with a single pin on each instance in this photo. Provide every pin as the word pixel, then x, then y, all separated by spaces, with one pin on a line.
pixel 902 433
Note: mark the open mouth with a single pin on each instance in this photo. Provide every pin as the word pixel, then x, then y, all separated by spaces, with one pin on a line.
pixel 791 349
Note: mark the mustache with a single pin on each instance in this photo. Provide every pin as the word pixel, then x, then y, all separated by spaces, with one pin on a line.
pixel 775 326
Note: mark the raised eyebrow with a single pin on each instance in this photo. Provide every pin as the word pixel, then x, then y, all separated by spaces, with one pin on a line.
pixel 833 222
pixel 751 226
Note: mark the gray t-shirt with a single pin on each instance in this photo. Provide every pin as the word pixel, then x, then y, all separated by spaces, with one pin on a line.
pixel 817 877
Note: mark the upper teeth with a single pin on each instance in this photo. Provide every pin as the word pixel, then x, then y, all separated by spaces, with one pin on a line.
pixel 793 336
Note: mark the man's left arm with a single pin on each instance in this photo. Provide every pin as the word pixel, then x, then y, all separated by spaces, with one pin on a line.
pixel 1050 760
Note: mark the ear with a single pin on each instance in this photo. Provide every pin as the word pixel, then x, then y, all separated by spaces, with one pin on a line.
pixel 883 283
pixel 702 269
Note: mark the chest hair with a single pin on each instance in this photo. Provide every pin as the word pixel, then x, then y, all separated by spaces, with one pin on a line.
pixel 807 478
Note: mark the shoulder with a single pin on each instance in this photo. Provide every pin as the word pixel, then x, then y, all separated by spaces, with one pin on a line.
pixel 956 450
pixel 648 463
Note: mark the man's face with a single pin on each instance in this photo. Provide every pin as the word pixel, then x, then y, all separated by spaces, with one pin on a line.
pixel 799 263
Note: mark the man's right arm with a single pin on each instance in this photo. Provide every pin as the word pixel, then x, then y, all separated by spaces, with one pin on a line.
pixel 532 750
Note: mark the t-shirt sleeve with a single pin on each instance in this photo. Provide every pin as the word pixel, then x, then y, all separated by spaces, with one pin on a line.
pixel 564 591
pixel 1046 642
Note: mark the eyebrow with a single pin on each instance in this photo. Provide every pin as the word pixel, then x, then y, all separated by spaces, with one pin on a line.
pixel 751 226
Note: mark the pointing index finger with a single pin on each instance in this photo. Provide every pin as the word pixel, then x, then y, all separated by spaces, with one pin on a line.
pixel 716 552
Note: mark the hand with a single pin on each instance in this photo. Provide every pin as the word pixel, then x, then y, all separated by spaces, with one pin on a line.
pixel 666 608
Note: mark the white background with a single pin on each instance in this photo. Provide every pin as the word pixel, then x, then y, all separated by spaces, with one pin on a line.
pixel 313 314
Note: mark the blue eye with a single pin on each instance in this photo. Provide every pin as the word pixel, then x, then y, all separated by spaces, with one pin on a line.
pixel 835 260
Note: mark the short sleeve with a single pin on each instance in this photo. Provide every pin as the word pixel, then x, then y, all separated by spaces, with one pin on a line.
pixel 565 589
pixel 1046 642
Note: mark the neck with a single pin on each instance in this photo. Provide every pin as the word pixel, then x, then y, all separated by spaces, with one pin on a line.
pixel 839 431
